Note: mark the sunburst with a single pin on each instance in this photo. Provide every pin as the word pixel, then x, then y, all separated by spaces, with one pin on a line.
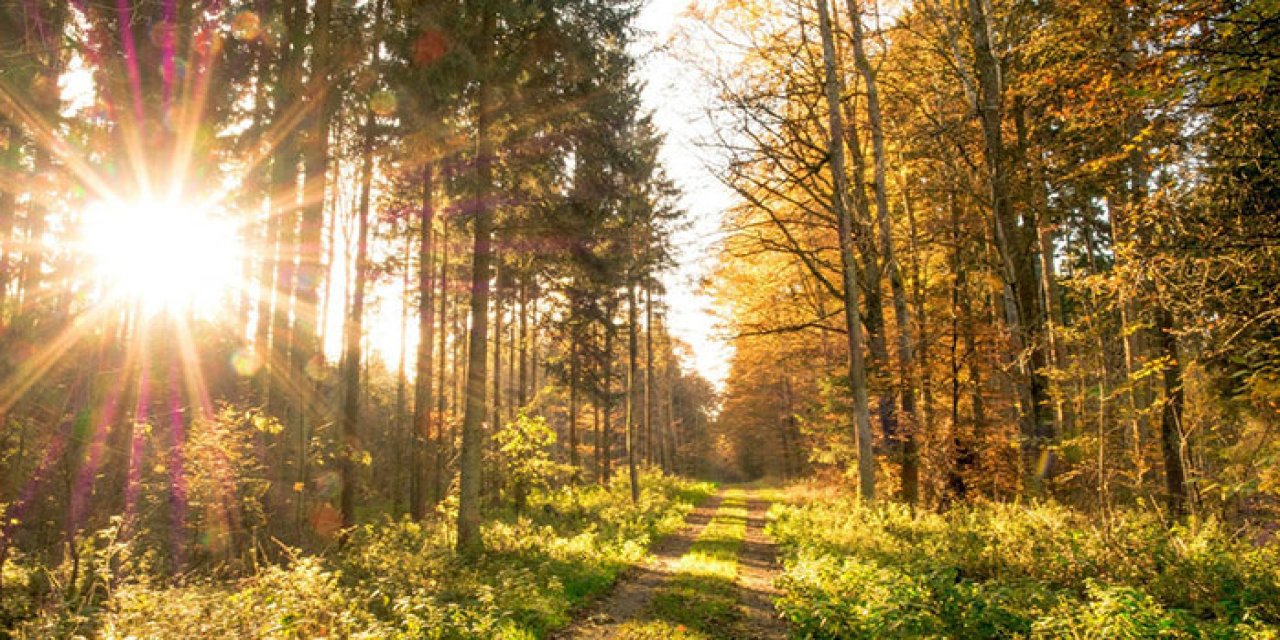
pixel 163 254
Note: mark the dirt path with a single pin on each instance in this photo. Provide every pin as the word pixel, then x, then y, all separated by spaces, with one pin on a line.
pixel 636 587
pixel 757 568
pixel 631 611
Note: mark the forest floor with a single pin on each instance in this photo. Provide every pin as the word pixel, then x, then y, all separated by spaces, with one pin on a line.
pixel 712 579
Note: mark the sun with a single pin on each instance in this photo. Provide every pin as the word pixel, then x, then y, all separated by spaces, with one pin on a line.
pixel 163 255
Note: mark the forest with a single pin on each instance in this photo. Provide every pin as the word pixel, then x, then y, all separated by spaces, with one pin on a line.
pixel 370 319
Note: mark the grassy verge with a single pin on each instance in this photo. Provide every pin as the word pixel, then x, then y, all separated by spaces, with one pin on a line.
pixel 401 579
pixel 1010 571
pixel 700 601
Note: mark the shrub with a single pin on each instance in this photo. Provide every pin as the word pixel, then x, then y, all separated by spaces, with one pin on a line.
pixel 399 578
pixel 1000 571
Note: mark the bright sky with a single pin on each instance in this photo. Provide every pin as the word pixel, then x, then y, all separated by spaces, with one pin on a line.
pixel 677 97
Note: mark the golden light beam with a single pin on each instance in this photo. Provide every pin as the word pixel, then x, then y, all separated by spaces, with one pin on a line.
pixel 33 369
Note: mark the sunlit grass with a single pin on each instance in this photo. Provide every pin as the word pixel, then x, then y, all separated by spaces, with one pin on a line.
pixel 1016 570
pixel 396 579
pixel 701 598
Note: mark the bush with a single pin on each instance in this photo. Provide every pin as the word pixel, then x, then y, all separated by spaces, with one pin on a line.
pixel 401 579
pixel 1001 571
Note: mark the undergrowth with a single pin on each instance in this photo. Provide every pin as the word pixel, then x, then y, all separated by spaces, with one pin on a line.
pixel 1018 571
pixel 392 579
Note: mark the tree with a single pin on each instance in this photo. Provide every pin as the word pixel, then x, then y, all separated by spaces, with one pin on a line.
pixel 852 313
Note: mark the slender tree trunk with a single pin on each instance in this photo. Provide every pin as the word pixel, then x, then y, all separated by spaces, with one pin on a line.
pixel 425 442
pixel 462 336
pixel 473 417
pixel 10 163
pixel 442 441
pixel 315 155
pixel 573 407
pixel 962 455
pixel 607 399
pixel 648 372
pixel 282 229
pixel 1171 441
pixel 853 316
pixel 403 421
pixel 512 339
pixel 1015 253
pixel 349 433
pixel 497 344
pixel 598 466
pixel 870 277
pixel 633 375
pixel 522 392
pixel 906 361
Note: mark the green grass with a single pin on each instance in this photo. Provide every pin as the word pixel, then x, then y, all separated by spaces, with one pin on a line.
pixel 700 601
pixel 1018 571
pixel 395 578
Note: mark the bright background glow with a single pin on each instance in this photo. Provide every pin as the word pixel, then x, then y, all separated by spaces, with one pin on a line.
pixel 165 255
pixel 677 94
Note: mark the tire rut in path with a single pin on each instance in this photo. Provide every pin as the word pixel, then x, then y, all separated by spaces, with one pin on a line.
pixel 757 568
pixel 635 588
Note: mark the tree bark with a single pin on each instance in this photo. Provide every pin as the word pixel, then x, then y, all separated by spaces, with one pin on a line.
pixel 424 441
pixel 648 374
pixel 1171 440
pixel 902 315
pixel 633 375
pixel 473 417
pixel 606 470
pixel 497 342
pixel 349 434
pixel 573 408
pixel 1015 251
pixel 315 157
pixel 441 443
pixel 852 314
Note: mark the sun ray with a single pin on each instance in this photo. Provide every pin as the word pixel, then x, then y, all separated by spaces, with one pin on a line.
pixel 32 370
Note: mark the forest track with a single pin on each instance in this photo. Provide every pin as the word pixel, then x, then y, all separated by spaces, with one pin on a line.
pixel 757 569
pixel 629 611
pixel 636 586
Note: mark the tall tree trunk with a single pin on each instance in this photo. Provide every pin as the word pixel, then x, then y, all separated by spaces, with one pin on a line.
pixel 349 434
pixel 648 373
pixel 315 156
pixel 870 278
pixel 598 462
pixel 852 313
pixel 633 374
pixel 477 358
pixel 1171 441
pixel 573 406
pixel 512 338
pixel 606 471
pixel 498 300
pixel 425 441
pixel 273 329
pixel 962 453
pixel 1018 269
pixel 10 164
pixel 906 361
pixel 522 391
pixel 533 347
pixel 442 441
pixel 403 421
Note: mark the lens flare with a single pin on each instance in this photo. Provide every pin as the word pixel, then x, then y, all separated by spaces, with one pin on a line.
pixel 165 255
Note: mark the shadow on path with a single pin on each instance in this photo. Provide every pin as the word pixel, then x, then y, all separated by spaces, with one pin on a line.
pixel 636 587
pixel 712 580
